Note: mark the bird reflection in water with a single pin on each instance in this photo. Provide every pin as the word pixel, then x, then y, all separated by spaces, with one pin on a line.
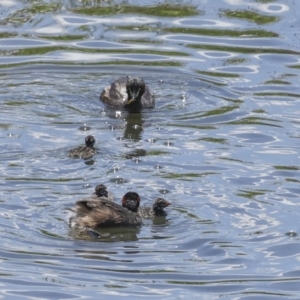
pixel 133 127
pixel 110 234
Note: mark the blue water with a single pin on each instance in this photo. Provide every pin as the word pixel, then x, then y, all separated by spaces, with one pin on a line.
pixel 222 144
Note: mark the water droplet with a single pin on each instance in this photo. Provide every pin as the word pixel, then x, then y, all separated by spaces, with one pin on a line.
pixel 129 146
pixel 168 144
pixel 151 140
pixel 118 114
pixel 84 127
pixel 291 234
pixel 164 191
pixel 158 167
pixel 118 180
pixel 115 169
pixel 136 160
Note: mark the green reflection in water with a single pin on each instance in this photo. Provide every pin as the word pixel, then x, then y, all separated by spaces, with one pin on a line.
pixel 48 115
pixel 112 63
pixel 259 111
pixel 295 67
pixel 142 63
pixel 4 35
pixel 213 140
pixel 213 112
pixel 250 33
pixel 186 176
pixel 162 10
pixel 220 111
pixel 137 28
pixel 235 61
pixel 17 103
pixel 244 50
pixel 254 121
pixel 35 253
pixel 140 41
pixel 42 179
pixel 213 82
pixel 276 81
pixel 292 180
pixel 47 49
pixel 232 159
pixel 251 194
pixel 99 11
pixel 63 37
pixel 5 126
pixel 114 286
pixel 202 127
pixel 15 165
pixel 250 16
pixel 288 168
pixel 219 74
pixel 42 8
pixel 280 94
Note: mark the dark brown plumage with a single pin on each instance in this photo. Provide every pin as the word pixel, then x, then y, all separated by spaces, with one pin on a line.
pixel 130 92
pixel 85 152
pixel 100 212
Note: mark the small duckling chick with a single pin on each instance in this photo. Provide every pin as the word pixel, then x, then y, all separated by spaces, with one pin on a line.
pixel 102 192
pixel 130 92
pixel 85 152
pixel 93 213
pixel 157 209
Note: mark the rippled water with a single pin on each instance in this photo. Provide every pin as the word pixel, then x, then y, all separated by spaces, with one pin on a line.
pixel 222 144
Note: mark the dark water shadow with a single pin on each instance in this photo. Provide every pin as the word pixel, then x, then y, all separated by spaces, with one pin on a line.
pixel 110 234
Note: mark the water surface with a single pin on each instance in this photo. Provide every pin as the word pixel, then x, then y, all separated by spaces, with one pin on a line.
pixel 221 144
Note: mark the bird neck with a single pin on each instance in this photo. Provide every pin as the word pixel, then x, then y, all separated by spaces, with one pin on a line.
pixel 158 211
pixel 135 105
